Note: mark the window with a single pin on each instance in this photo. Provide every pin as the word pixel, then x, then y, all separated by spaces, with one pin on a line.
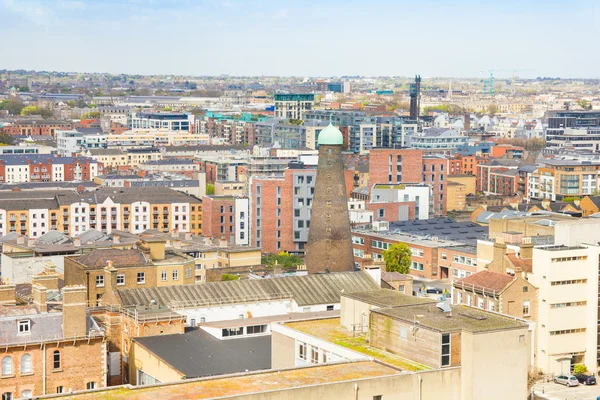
pixel 7 366
pixel 90 385
pixel 403 334
pixel 526 308
pixel 525 289
pixel 302 351
pixel 26 364
pixel 7 396
pixel 380 213
pixel 141 277
pixel 56 359
pixel 175 275
pixel 330 308
pixel 163 276
pixel 233 332
pixel 100 281
pixel 255 329
pixel 120 280
pixel 445 350
pixel 378 397
pixel 26 394
pixel 480 302
pixel 24 326
pixel 314 355
pixel 60 389
pixel 491 306
pixel 202 320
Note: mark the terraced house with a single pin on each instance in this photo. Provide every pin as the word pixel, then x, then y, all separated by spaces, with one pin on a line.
pixel 132 210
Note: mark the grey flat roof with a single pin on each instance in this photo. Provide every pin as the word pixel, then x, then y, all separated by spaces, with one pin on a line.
pixel 196 353
pixel 443 228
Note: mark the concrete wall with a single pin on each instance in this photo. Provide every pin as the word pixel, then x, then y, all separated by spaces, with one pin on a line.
pixel 282 351
pixel 353 313
pixel 508 351
pixel 143 360
pixel 21 269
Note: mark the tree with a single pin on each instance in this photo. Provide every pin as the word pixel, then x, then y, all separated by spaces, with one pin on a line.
pixel 492 109
pixel 35 110
pixel 14 106
pixel 6 139
pixel 286 260
pixel 210 189
pixel 91 115
pixel 579 369
pixel 229 277
pixel 397 258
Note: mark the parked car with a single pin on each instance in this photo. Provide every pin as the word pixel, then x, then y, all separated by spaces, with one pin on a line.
pixel 433 290
pixel 568 380
pixel 586 379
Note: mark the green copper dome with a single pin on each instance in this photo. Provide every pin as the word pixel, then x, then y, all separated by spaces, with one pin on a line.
pixel 331 135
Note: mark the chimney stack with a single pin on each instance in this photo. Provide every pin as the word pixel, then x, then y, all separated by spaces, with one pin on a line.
pixel 74 311
pixel 39 297
pixel 526 249
pixel 110 284
pixel 116 239
pixel 174 233
pixel 8 295
pixel 21 239
pixel 77 242
pixel 31 242
pixel 497 264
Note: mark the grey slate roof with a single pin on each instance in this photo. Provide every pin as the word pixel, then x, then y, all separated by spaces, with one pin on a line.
pixel 305 290
pixel 197 353
pixel 465 232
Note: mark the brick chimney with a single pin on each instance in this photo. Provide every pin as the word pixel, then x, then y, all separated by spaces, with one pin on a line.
pixel 74 311
pixel 497 264
pixel 39 297
pixel 8 295
pixel 116 238
pixel 77 242
pixel 110 284
pixel 526 249
pixel 174 233
pixel 31 242
pixel 21 239
pixel 48 278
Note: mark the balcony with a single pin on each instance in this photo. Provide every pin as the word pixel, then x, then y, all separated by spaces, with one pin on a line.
pixel 124 213
pixel 103 213
pixel 155 212
pixel 92 212
pixel 53 218
pixel 22 218
pixel 103 220
pixel 165 212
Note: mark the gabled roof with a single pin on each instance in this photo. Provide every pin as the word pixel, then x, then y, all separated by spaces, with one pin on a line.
pixel 98 258
pixel 518 262
pixel 305 290
pixel 488 280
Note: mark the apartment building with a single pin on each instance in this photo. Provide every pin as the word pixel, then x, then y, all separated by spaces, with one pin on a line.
pixel 567 330
pixel 171 121
pixel 411 166
pixel 227 218
pixel 21 168
pixel 293 105
pixel 437 141
pixel 498 177
pixel 105 271
pixel 155 137
pixel 400 202
pixel 171 165
pixel 228 131
pixel 48 350
pixel 282 208
pixel 37 212
pixel 557 179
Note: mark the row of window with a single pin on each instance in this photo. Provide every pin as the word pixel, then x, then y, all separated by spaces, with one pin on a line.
pixel 380 245
pixel 567 331
pixel 570 304
pixel 568 282
pixel 574 258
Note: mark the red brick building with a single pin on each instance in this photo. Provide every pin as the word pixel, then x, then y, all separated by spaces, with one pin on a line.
pixel 218 217
pixel 37 127
pixel 411 166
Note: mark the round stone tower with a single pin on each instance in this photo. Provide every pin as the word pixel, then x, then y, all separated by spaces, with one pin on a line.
pixel 329 247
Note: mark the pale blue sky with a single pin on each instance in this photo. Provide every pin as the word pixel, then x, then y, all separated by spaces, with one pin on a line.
pixel 303 38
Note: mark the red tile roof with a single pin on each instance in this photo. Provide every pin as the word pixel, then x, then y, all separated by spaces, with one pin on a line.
pixel 518 262
pixel 487 280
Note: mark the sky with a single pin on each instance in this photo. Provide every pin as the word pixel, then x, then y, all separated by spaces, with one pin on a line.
pixel 433 38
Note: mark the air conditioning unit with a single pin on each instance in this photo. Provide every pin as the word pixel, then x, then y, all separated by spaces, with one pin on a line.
pixel 379 226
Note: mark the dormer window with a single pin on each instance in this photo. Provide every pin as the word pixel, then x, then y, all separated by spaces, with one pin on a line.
pixel 24 327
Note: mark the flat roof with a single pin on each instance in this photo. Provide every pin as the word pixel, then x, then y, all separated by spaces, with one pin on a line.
pixel 461 318
pixel 292 317
pixel 243 384
pixel 196 353
pixel 387 298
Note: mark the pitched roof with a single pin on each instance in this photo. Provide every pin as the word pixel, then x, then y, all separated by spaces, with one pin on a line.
pixel 518 262
pixel 98 258
pixel 486 279
pixel 305 290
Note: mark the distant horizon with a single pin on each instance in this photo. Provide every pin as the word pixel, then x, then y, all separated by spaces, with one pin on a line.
pixel 252 38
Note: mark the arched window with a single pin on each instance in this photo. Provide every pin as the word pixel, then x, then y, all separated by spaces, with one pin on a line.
pixel 26 394
pixel 7 366
pixel 7 396
pixel 26 364
pixel 56 359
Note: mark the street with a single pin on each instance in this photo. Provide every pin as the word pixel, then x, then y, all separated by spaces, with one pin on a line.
pixel 554 391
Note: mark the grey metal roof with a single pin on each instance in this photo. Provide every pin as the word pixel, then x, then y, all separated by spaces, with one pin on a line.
pixel 197 353
pixel 305 290
pixel 53 237
pixel 465 232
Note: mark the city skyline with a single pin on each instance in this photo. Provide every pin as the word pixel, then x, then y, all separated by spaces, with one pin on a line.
pixel 256 38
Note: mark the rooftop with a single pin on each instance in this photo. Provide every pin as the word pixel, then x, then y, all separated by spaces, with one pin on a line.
pixel 492 281
pixel 387 298
pixel 460 318
pixel 331 331
pixel 196 353
pixel 232 385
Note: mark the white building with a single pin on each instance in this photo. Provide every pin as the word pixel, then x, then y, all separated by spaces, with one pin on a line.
pixel 417 193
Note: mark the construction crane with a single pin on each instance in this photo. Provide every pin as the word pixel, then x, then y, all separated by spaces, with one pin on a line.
pixel 490 82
